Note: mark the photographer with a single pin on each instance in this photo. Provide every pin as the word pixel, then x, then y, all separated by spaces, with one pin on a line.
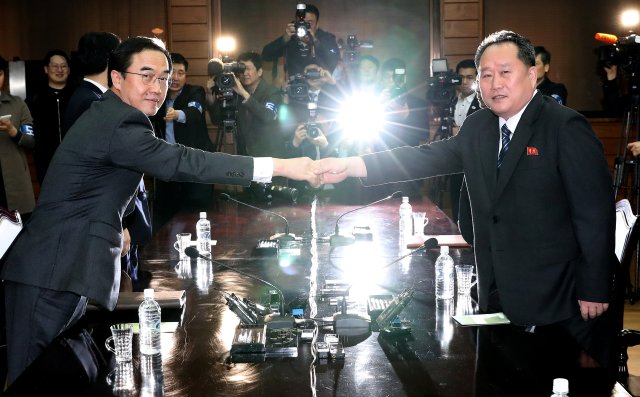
pixel 407 120
pixel 317 46
pixel 181 120
pixel 556 91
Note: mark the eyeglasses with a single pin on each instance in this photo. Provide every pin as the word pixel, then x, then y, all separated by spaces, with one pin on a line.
pixel 148 78
pixel 58 66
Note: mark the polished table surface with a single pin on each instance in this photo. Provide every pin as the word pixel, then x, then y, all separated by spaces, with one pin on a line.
pixel 438 357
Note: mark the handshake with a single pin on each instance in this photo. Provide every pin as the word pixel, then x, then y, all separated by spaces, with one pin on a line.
pixel 319 172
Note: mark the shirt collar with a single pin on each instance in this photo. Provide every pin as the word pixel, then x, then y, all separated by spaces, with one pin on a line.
pixel 102 88
pixel 513 121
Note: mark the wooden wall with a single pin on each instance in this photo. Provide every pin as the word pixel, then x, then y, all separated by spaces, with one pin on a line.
pixel 462 29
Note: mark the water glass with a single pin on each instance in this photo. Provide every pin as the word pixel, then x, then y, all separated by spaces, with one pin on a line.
pixel 121 378
pixel 122 336
pixel 464 274
pixel 183 240
pixel 420 220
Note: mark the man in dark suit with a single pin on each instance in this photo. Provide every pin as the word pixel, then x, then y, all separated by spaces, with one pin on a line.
pixel 69 251
pixel 541 199
pixel 181 120
pixel 92 58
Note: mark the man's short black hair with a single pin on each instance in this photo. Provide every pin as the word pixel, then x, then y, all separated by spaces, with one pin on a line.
pixel 94 49
pixel 120 59
pixel 545 56
pixel 465 64
pixel 52 53
pixel 177 58
pixel 254 57
pixel 393 64
pixel 525 49
pixel 313 10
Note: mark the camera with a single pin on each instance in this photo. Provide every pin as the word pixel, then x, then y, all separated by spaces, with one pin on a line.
pixel 301 26
pixel 226 79
pixel 624 53
pixel 313 130
pixel 297 89
pixel 441 88
pixel 399 83
pixel 351 52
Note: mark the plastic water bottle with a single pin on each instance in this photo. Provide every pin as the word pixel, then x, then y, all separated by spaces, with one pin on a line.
pixel 149 318
pixel 444 274
pixel 406 222
pixel 560 387
pixel 203 234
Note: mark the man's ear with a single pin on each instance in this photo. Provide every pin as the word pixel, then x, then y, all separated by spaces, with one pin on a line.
pixel 116 79
pixel 260 72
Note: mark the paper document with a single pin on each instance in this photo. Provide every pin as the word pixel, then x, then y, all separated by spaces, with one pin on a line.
pixel 482 319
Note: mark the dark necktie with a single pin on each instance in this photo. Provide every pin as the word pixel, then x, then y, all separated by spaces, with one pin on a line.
pixel 506 138
pixel 313 97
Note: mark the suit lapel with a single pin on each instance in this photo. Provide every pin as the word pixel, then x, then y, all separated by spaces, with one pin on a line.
pixel 521 137
pixel 487 144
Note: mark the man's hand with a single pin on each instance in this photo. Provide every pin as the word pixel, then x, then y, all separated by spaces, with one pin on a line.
pixel 612 72
pixel 592 309
pixel 334 170
pixel 634 147
pixel 289 31
pixel 172 115
pixel 239 88
pixel 299 169
pixel 126 242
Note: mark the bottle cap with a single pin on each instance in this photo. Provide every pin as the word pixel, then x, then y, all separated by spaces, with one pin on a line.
pixel 444 249
pixel 560 385
pixel 405 199
pixel 203 215
pixel 148 293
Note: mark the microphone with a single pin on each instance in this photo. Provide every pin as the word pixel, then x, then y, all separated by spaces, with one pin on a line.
pixel 337 240
pixel 281 237
pixel 607 38
pixel 427 245
pixel 193 253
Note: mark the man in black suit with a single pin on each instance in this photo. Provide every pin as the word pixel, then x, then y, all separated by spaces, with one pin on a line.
pixel 555 90
pixel 69 251
pixel 317 46
pixel 181 119
pixel 94 49
pixel 464 104
pixel 541 199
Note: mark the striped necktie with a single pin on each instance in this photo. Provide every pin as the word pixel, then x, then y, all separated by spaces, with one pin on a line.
pixel 506 138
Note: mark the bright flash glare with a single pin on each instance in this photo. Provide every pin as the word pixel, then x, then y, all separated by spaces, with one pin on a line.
pixel 226 45
pixel 362 117
pixel 630 18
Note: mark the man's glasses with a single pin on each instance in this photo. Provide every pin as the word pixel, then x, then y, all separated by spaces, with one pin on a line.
pixel 149 78
pixel 59 66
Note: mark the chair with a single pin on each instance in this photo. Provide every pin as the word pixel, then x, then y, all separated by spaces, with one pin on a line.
pixel 626 241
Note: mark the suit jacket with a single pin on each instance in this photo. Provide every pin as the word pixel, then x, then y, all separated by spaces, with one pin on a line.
pixel 544 225
pixel 138 221
pixel 72 242
pixel 193 132
pixel 80 101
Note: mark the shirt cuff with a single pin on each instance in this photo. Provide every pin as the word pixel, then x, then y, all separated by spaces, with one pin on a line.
pixel 182 118
pixel 262 169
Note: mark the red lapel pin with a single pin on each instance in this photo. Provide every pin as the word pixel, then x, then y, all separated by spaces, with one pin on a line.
pixel 532 151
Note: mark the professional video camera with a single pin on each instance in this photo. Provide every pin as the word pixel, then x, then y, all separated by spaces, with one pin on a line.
pixel 298 89
pixel 351 55
pixel 442 86
pixel 223 72
pixel 441 91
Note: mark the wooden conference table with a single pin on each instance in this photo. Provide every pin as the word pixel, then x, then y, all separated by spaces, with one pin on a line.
pixel 438 357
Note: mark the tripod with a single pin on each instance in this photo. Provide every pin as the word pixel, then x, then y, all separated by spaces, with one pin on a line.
pixel 626 179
